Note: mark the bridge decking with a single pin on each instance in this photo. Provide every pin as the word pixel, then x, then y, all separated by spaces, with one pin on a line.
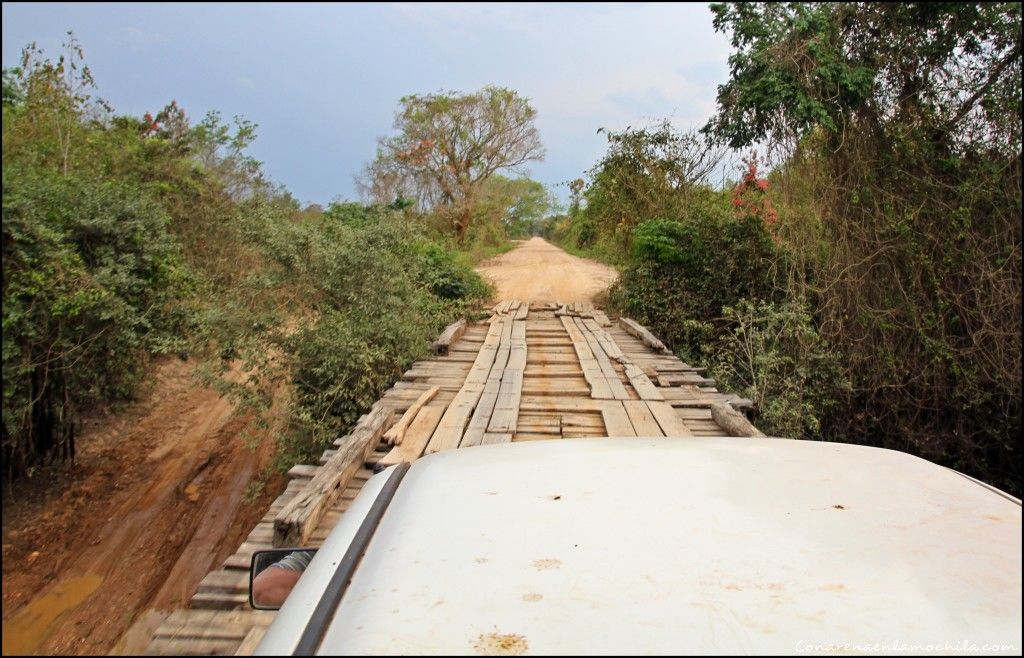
pixel 529 373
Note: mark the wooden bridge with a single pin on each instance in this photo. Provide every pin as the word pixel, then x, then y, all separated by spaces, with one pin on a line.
pixel 528 373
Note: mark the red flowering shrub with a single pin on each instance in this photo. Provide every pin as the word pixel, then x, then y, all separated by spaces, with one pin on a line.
pixel 151 124
pixel 750 198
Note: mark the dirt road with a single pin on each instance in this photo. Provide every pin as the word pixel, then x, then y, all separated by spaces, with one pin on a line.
pixel 538 271
pixel 158 498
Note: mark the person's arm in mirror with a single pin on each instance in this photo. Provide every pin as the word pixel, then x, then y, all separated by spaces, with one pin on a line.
pixel 272 585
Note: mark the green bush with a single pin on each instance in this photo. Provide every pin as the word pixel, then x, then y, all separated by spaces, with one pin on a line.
pixel 683 273
pixel 368 292
pixel 774 355
pixel 447 276
pixel 90 280
pixel 668 242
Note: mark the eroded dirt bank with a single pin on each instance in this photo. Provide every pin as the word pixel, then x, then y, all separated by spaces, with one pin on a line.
pixel 159 496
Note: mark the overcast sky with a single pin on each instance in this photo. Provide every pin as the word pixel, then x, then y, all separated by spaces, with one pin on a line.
pixel 323 81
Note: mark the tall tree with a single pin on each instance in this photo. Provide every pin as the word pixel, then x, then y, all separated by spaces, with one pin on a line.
pixel 447 145
pixel 516 205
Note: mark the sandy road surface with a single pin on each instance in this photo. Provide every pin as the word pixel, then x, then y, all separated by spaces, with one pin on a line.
pixel 538 271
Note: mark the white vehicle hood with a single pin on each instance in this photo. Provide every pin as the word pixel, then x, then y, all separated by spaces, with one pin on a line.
pixel 661 546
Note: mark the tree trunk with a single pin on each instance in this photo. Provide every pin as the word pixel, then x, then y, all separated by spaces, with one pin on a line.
pixel 462 221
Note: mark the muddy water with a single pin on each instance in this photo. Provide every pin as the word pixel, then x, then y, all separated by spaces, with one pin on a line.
pixel 25 631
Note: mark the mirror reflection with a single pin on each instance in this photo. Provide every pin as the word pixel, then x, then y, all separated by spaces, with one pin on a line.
pixel 274 573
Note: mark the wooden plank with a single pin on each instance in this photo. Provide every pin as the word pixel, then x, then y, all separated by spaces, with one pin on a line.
pixel 599 388
pixel 643 385
pixel 519 437
pixel 681 368
pixel 450 334
pixel 299 517
pixel 671 424
pixel 546 357
pixel 580 420
pixel 449 431
pixel 550 432
pixel 551 341
pixel 446 368
pixel 485 407
pixel 618 391
pixel 645 336
pixel 416 437
pixel 511 383
pixel 251 641
pixel 555 386
pixel 481 417
pixel 552 370
pixel 642 419
pixel 191 647
pixel 224 580
pixel 502 421
pixel 218 600
pixel 616 420
pixel 180 617
pixel 692 397
pixel 395 435
pixel 303 471
pixel 506 407
pixel 732 421
pixel 555 403
pixel 608 344
pixel 491 438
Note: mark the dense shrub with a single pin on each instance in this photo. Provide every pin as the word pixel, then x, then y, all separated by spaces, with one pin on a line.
pixel 90 280
pixel 368 292
pixel 897 128
pixel 126 237
pixel 683 273
pixel 774 355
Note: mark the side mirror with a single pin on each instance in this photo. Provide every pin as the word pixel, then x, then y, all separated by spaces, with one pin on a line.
pixel 269 587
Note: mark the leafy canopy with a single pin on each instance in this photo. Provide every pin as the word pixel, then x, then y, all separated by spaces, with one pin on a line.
pixel 448 144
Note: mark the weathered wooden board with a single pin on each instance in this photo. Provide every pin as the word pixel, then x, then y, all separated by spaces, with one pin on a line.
pixel 616 420
pixel 491 438
pixel 642 419
pixel 506 408
pixel 554 403
pixel 641 383
pixel 671 424
pixel 416 437
pixel 618 391
pixel 396 433
pixel 300 516
pixel 596 379
pixel 451 333
pixel 449 431
pixel 645 336
pixel 732 421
